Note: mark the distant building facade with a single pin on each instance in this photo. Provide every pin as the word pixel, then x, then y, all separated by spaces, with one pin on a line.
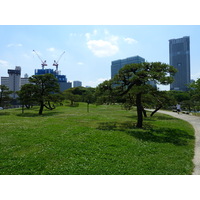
pixel 179 58
pixel 118 64
pixel 62 80
pixel 14 81
pixel 5 81
pixel 25 80
pixel 77 84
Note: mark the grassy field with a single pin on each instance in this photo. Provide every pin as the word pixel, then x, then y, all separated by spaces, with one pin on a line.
pixel 68 140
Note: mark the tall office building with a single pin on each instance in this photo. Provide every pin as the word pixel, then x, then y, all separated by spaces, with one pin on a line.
pixel 179 57
pixel 118 64
pixel 14 81
pixel 77 84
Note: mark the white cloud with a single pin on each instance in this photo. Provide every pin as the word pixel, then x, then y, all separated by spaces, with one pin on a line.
pixel 95 83
pixel 80 63
pixel 130 40
pixel 106 32
pixel 14 45
pixel 195 76
pixel 90 35
pixel 72 34
pixel 102 48
pixel 51 49
pixel 106 44
pixel 4 63
pixel 113 39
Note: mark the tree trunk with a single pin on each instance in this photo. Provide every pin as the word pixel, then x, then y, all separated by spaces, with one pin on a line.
pixel 155 110
pixel 139 110
pixel 144 112
pixel 41 107
pixel 23 109
pixel 88 104
pixel 49 106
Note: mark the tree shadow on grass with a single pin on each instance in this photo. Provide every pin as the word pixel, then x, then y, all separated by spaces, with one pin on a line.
pixel 45 114
pixel 153 118
pixel 4 113
pixel 123 126
pixel 148 133
pixel 163 135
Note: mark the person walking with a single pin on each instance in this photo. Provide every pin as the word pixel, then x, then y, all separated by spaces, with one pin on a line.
pixel 178 108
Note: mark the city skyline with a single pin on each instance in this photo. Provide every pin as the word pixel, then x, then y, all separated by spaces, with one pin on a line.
pixel 90 49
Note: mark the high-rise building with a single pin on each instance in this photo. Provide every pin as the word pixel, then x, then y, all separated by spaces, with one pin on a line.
pixel 77 84
pixel 14 81
pixel 62 80
pixel 179 58
pixel 118 64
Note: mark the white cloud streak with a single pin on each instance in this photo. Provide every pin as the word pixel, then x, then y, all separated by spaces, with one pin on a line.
pixel 95 82
pixel 4 63
pixel 80 63
pixel 102 48
pixel 14 45
pixel 130 40
pixel 51 49
pixel 106 44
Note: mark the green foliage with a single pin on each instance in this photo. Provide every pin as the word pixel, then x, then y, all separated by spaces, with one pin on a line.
pixel 104 141
pixel 44 90
pixel 106 93
pixel 27 95
pixel 132 83
pixel 4 96
pixel 73 95
pixel 179 96
pixel 195 86
pixel 80 94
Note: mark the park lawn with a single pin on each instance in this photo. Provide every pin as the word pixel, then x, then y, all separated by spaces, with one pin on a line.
pixel 70 141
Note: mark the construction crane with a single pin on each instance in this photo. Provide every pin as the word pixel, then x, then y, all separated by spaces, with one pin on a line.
pixel 43 62
pixel 56 62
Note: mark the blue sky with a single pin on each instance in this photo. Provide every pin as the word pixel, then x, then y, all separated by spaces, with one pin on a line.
pixel 89 49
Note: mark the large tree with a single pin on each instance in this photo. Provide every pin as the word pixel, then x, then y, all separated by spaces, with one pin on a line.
pixel 26 95
pixel 134 79
pixel 45 88
pixel 137 76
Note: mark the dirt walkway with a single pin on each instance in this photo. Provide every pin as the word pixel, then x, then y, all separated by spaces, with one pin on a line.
pixel 195 122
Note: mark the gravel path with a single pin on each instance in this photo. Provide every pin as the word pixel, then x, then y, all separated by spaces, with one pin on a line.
pixel 195 122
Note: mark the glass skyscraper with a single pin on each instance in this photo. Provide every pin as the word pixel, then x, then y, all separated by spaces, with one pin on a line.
pixel 179 57
pixel 118 64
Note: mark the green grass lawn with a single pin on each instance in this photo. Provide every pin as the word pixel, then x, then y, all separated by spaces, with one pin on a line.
pixel 68 140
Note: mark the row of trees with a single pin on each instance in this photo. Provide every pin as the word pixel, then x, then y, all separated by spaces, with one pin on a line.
pixel 130 87
pixel 43 90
